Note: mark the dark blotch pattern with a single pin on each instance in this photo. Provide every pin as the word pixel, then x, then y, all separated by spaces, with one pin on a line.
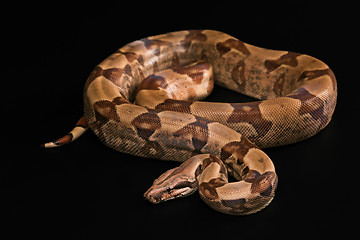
pixel 131 56
pixel 212 159
pixel 264 184
pixel 112 74
pixel 153 149
pixel 155 44
pixel 193 35
pixel 309 75
pixel 195 71
pixel 226 46
pixel 146 124
pixel 286 59
pixel 311 104
pixel 237 148
pixel 105 110
pixel 198 131
pixel 208 189
pixel 238 74
pixel 153 82
pixel 250 113
pixel 251 176
pixel 175 106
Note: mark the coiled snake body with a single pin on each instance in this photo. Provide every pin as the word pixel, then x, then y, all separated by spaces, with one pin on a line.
pixel 297 98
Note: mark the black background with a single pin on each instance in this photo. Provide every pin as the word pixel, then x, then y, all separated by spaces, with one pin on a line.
pixel 86 190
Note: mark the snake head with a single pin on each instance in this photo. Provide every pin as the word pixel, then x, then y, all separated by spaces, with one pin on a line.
pixel 170 185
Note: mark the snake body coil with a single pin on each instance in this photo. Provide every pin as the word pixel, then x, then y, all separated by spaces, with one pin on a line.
pixel 297 98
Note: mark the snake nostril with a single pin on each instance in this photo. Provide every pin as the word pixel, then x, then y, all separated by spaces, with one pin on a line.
pixel 151 196
pixel 150 199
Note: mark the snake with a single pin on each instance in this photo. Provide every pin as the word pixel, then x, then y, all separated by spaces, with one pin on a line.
pixel 146 100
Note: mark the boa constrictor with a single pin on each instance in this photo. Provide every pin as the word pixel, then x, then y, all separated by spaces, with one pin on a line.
pixel 297 96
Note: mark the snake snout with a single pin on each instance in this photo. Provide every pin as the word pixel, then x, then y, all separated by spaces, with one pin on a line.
pixel 169 190
pixel 153 195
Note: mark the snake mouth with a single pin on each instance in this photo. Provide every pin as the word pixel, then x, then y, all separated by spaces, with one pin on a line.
pixel 152 199
pixel 155 196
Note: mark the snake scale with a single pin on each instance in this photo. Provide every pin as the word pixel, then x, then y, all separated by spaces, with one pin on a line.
pixel 167 74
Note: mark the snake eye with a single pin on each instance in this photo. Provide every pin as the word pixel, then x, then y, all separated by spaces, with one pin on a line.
pixel 168 190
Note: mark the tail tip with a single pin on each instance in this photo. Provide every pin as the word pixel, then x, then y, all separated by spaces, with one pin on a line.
pixel 80 128
pixel 49 145
pixel 59 142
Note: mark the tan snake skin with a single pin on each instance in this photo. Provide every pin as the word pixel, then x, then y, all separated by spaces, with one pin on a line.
pixel 297 99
